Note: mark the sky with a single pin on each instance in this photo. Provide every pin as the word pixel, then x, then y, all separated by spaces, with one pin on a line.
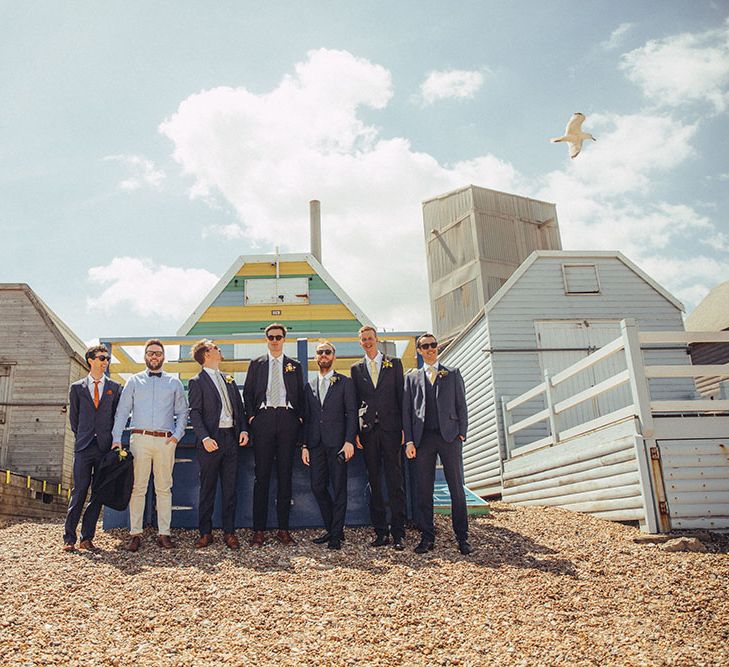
pixel 145 146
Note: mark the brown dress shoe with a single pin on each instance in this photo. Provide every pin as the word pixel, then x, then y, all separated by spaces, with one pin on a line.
pixel 69 547
pixel 285 538
pixel 204 541
pixel 256 539
pixel 134 543
pixel 87 545
pixel 165 542
pixel 232 541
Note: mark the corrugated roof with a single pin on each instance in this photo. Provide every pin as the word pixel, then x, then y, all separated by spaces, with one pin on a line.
pixel 712 314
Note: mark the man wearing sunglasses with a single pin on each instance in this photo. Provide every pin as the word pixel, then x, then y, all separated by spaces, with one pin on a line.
pixel 221 427
pixel 274 397
pixel 435 421
pixel 378 381
pixel 159 417
pixel 330 428
pixel 92 404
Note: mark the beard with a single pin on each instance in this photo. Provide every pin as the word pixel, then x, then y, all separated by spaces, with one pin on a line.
pixel 325 364
pixel 154 364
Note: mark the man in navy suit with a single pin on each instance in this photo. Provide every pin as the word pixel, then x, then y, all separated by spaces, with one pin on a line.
pixel 330 429
pixel 378 381
pixel 435 421
pixel 219 421
pixel 93 402
pixel 274 399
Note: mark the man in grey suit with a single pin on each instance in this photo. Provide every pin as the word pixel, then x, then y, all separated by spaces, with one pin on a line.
pixel 435 421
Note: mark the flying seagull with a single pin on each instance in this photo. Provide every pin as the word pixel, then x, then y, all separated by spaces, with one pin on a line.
pixel 574 135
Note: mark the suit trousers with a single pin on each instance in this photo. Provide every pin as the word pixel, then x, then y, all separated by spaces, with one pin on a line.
pixel 431 446
pixel 275 432
pixel 383 452
pixel 219 464
pixel 151 455
pixel 325 468
pixel 85 464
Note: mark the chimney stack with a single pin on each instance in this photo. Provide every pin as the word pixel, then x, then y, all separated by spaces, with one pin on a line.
pixel 315 228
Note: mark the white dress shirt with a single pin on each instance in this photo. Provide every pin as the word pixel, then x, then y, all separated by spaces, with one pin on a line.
pixel 324 381
pixel 378 362
pixel 91 381
pixel 226 420
pixel 281 402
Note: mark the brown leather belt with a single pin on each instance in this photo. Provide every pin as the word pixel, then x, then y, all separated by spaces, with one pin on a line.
pixel 155 434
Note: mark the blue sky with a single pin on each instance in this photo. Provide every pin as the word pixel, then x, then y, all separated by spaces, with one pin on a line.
pixel 144 146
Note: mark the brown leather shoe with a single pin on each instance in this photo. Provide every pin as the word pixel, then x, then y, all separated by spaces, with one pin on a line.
pixel 231 540
pixel 134 543
pixel 204 541
pixel 285 538
pixel 87 545
pixel 165 542
pixel 67 546
pixel 256 539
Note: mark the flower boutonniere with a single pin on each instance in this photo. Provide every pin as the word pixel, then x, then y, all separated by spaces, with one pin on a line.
pixel 386 363
pixel 122 453
pixel 442 373
pixel 109 392
pixel 229 379
pixel 289 368
pixel 334 379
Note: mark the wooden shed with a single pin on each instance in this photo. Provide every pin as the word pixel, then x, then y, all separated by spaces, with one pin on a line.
pixel 555 309
pixel 39 358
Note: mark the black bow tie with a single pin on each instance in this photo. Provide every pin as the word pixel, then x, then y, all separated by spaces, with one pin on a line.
pixel 155 375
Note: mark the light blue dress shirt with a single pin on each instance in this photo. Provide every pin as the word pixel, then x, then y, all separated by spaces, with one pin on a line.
pixel 156 404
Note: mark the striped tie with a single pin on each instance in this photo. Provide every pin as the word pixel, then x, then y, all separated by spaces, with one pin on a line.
pixel 273 398
pixel 224 394
pixel 374 373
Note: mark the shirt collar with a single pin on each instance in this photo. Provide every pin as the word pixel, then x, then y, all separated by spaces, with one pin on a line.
pixel 434 366
pixel 211 371
pixel 91 380
pixel 377 359
pixel 146 371
pixel 271 357
pixel 328 375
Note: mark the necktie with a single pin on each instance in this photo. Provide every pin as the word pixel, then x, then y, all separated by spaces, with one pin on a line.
pixel 224 394
pixel 274 397
pixel 431 375
pixel 155 375
pixel 374 373
pixel 323 386
pixel 96 393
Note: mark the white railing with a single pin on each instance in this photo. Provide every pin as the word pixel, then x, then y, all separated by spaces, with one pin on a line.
pixel 636 376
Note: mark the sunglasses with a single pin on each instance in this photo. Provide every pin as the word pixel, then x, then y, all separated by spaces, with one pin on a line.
pixel 154 353
pixel 428 346
pixel 102 357
pixel 276 337
pixel 327 352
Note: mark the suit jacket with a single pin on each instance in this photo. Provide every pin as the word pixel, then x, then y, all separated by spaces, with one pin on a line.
pixel 87 422
pixel 114 480
pixel 254 388
pixel 384 402
pixel 205 407
pixel 450 393
pixel 335 422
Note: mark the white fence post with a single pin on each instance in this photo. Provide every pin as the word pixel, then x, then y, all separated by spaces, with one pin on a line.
pixel 554 430
pixel 638 382
pixel 508 421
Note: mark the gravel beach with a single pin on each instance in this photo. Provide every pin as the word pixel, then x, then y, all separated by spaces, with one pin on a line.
pixel 544 587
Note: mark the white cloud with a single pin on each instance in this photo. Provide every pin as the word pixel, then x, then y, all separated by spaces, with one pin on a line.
pixel 142 172
pixel 617 37
pixel 148 289
pixel 228 232
pixel 683 69
pixel 450 84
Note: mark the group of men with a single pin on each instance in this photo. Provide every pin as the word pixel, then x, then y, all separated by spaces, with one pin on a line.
pixel 379 410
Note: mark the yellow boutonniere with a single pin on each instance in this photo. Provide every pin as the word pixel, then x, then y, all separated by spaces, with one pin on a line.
pixel 289 368
pixel 334 379
pixel 229 379
pixel 386 363
pixel 442 373
pixel 122 453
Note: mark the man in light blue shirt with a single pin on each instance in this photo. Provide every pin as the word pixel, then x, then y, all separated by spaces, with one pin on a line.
pixel 159 416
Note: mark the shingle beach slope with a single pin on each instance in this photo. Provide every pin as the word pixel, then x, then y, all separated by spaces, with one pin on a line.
pixel 544 587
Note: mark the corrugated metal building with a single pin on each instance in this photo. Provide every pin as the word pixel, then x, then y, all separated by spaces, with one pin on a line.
pixel 554 310
pixel 39 358
pixel 475 239
pixel 712 314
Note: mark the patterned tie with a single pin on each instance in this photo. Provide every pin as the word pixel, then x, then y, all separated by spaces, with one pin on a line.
pixel 323 386
pixel 224 393
pixel 374 373
pixel 431 375
pixel 273 399
pixel 96 393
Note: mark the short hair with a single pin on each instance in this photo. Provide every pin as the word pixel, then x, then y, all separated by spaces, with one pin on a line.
pixel 199 349
pixel 153 341
pixel 427 334
pixel 276 325
pixel 326 342
pixel 92 351
pixel 367 327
